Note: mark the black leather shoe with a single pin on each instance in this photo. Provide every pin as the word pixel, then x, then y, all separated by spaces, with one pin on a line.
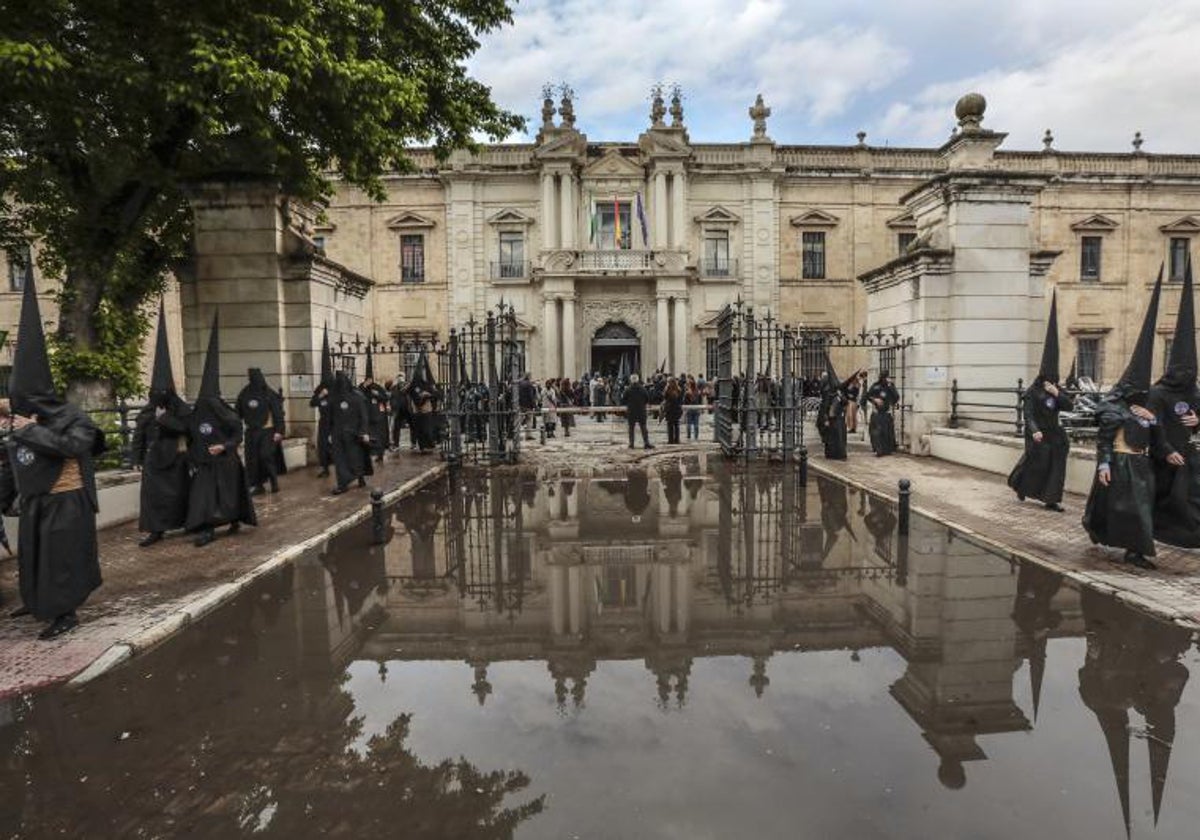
pixel 1057 508
pixel 204 539
pixel 150 539
pixel 337 491
pixel 62 624
pixel 19 612
pixel 1139 561
pixel 362 482
pixel 274 487
pixel 234 527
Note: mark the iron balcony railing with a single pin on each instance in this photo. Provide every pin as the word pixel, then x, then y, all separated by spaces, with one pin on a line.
pixel 621 260
pixel 510 270
pixel 719 267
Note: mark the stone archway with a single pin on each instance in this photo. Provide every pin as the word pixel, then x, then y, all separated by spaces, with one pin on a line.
pixel 616 350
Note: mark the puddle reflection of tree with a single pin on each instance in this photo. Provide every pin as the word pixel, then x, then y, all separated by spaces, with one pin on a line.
pixel 234 730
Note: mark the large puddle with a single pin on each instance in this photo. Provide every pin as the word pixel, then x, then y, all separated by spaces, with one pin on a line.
pixel 657 654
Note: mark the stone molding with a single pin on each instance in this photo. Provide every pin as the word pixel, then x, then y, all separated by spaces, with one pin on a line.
pixel 598 311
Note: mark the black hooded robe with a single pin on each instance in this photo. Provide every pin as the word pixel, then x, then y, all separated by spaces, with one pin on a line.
pixel 59 558
pixel 882 427
pixel 831 423
pixel 1177 489
pixel 261 409
pixel 160 447
pixel 377 419
pixel 1042 471
pixel 1121 514
pixel 219 494
pixel 320 401
pixel 351 455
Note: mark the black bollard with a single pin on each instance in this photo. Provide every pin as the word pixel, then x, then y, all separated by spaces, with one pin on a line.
pixel 905 493
pixel 803 466
pixel 377 516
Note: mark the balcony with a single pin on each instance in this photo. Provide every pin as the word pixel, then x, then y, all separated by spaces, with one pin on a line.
pixel 510 270
pixel 623 261
pixel 721 267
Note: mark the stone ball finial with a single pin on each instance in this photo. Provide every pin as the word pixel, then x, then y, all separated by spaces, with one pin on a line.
pixel 969 110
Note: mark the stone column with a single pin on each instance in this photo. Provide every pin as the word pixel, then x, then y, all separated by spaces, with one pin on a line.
pixel 550 339
pixel 568 211
pixel 659 234
pixel 549 227
pixel 678 211
pixel 679 360
pixel 663 342
pixel 569 339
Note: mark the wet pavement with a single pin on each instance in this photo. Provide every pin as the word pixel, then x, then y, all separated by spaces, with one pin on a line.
pixel 661 651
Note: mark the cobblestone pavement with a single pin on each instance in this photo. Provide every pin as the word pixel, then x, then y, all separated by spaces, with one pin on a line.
pixel 146 591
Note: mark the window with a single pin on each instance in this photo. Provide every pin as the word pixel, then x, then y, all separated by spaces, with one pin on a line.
pixel 1089 258
pixel 887 361
pixel 412 258
pixel 716 253
pixel 904 241
pixel 20 267
pixel 609 212
pixel 812 357
pixel 1181 248
pixel 712 360
pixel 813 255
pixel 512 254
pixel 1088 359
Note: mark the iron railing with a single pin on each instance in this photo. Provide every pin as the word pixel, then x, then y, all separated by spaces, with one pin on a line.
pixel 719 267
pixel 623 260
pixel 1007 407
pixel 510 270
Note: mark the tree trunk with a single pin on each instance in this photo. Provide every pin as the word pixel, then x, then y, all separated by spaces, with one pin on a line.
pixel 77 326
pixel 91 394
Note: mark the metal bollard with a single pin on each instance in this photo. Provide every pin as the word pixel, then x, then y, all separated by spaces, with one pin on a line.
pixel 377 516
pixel 803 466
pixel 902 515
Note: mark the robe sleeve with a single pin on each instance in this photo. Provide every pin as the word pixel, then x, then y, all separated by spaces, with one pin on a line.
pixel 1110 420
pixel 137 445
pixel 172 422
pixel 1029 413
pixel 277 409
pixel 1160 444
pixel 315 402
pixel 8 486
pixel 1065 401
pixel 235 437
pixel 77 441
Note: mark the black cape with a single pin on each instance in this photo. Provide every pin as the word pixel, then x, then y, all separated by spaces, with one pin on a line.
pixel 160 447
pixel 219 494
pixel 831 423
pixel 1177 489
pixel 59 557
pixel 377 399
pixel 261 409
pixel 320 401
pixel 1042 471
pixel 883 422
pixel 351 455
pixel 1121 514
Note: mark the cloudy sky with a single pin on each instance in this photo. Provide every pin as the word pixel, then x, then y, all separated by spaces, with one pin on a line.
pixel 1093 71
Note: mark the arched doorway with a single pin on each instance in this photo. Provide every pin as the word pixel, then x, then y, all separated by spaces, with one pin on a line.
pixel 616 350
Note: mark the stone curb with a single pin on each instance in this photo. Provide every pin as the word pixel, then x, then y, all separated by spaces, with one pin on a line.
pixel 1089 579
pixel 209 600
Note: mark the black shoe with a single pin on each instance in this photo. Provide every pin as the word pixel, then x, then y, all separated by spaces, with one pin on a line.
pixel 322 473
pixel 62 624
pixel 274 486
pixel 1054 506
pixel 257 491
pixel 337 491
pixel 205 538
pixel 649 446
pixel 19 612
pixel 1139 561
pixel 1020 497
pixel 362 482
pixel 234 527
pixel 150 539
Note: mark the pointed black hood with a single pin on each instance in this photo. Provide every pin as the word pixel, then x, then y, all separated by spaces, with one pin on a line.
pixel 832 382
pixel 1136 378
pixel 258 382
pixel 31 385
pixel 1072 381
pixel 326 360
pixel 370 372
pixel 162 377
pixel 1048 370
pixel 210 381
pixel 1181 366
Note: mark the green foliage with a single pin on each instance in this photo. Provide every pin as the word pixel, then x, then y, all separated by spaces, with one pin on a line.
pixel 109 111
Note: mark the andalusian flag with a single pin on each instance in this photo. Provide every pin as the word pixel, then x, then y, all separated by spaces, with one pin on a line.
pixel 617 221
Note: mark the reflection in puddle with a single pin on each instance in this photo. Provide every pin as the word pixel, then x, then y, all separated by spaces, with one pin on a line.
pixel 659 653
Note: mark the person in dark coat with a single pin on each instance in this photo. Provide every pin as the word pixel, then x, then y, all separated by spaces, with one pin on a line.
pixel 1042 470
pixel 424 397
pixel 831 417
pixel 401 412
pixel 1120 507
pixel 218 494
pixel 1176 403
pixel 51 448
pixel 261 409
pixel 320 401
pixel 635 399
pixel 160 448
pixel 672 410
pixel 378 401
pixel 883 398
pixel 351 435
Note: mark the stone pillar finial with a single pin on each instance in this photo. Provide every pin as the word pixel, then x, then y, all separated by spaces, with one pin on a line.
pixel 1137 142
pixel 759 113
pixel 657 109
pixel 566 107
pixel 862 139
pixel 676 106
pixel 969 110
pixel 547 106
pixel 1048 141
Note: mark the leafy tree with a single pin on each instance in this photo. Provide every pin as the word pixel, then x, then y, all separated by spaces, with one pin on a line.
pixel 108 110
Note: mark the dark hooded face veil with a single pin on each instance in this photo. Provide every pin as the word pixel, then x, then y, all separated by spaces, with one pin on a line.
pixel 31 386
pixel 1181 365
pixel 258 382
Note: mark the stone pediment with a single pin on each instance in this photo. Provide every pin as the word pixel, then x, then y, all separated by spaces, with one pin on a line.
pixel 562 143
pixel 814 218
pixel 665 142
pixel 1188 224
pixel 510 216
pixel 718 215
pixel 1096 223
pixel 612 164
pixel 904 221
pixel 409 220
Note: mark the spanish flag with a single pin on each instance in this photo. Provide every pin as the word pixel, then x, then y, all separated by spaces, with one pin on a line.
pixel 617 222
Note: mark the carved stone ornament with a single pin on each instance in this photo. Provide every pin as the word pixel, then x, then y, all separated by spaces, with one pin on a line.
pixel 759 113
pixel 598 312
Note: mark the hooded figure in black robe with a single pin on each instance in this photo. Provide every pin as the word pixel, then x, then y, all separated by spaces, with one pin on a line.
pixel 350 433
pixel 1120 507
pixel 160 448
pixel 378 401
pixel 831 417
pixel 1042 470
pixel 320 401
pixel 1176 403
pixel 219 494
pixel 51 449
pixel 424 396
pixel 883 398
pixel 261 409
